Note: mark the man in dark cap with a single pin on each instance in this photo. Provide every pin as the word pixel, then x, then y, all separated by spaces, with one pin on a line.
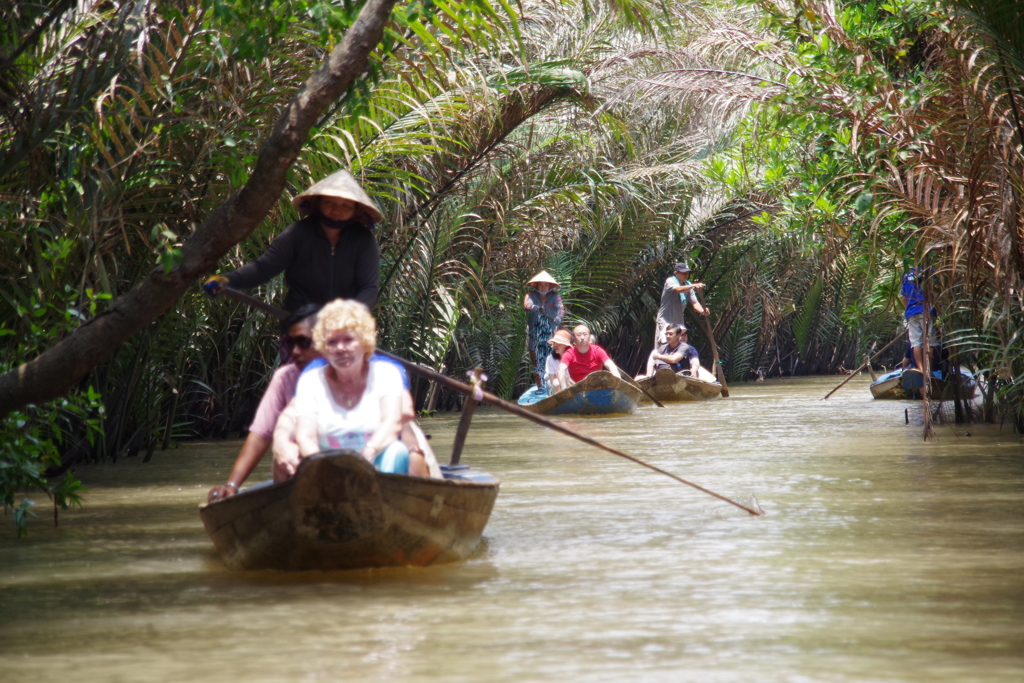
pixel 299 341
pixel 675 295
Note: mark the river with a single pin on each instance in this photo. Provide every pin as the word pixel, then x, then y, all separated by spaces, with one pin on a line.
pixel 881 558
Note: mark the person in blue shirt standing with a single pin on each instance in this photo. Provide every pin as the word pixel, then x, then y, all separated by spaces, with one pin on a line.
pixel 914 302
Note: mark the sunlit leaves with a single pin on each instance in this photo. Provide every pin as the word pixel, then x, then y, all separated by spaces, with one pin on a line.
pixel 32 440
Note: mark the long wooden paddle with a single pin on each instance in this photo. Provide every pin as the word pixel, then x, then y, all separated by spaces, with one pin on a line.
pixel 639 386
pixel 493 400
pixel 273 310
pixel 857 371
pixel 490 398
pixel 719 373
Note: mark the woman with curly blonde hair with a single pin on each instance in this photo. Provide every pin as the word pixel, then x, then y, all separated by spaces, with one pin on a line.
pixel 351 403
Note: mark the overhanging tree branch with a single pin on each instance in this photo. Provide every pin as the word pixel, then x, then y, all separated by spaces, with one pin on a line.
pixel 61 367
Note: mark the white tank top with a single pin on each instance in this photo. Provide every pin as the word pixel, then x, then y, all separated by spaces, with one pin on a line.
pixel 338 427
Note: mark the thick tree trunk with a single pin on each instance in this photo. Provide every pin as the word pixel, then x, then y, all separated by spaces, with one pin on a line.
pixel 60 368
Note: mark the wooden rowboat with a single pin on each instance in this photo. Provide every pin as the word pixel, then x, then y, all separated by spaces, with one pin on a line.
pixel 599 393
pixel 338 512
pixel 907 385
pixel 668 386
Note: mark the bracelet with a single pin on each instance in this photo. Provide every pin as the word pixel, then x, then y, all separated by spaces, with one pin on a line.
pixel 232 485
pixel 416 450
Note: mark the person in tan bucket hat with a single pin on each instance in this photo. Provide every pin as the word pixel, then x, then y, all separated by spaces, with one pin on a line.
pixel 329 253
pixel 561 341
pixel 546 313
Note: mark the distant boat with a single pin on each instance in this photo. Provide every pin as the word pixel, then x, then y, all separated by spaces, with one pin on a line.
pixel 599 393
pixel 338 512
pixel 908 384
pixel 668 386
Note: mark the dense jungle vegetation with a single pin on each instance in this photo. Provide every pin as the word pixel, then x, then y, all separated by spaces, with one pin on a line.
pixel 801 154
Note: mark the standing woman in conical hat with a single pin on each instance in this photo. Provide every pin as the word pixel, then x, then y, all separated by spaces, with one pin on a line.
pixel 546 312
pixel 329 253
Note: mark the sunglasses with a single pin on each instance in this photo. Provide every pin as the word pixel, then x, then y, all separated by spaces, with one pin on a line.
pixel 302 341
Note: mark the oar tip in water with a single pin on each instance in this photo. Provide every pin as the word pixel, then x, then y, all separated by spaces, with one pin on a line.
pixel 546 422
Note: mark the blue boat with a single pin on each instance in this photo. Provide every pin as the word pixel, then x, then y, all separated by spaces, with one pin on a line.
pixel 599 393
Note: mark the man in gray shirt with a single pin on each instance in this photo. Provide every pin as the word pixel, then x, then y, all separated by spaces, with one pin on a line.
pixel 672 307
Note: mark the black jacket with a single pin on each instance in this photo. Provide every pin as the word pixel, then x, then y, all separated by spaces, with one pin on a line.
pixel 314 271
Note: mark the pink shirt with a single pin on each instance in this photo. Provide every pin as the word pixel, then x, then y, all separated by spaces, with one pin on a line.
pixel 582 364
pixel 279 392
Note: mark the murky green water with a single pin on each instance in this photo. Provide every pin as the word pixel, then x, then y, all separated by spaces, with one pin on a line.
pixel 882 558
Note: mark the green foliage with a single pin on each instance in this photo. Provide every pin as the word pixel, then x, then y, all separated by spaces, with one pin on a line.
pixel 806 315
pixel 32 442
pixel 857 155
pixel 797 156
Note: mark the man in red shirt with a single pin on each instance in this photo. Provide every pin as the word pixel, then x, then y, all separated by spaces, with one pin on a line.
pixel 583 358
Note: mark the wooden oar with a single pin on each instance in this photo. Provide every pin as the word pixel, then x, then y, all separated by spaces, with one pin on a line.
pixel 857 371
pixel 639 386
pixel 273 310
pixel 871 370
pixel 491 399
pixel 719 373
pixel 867 362
pixel 545 422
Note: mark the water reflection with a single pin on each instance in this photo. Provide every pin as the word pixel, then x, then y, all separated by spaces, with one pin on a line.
pixel 882 558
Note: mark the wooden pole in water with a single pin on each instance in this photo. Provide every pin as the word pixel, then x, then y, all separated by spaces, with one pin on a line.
pixel 871 370
pixel 926 361
pixel 719 372
pixel 867 361
pixel 857 371
pixel 493 400
pixel 468 407
pixel 625 376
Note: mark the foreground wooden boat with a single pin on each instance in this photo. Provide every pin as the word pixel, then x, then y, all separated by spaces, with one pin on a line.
pixel 908 385
pixel 338 512
pixel 600 393
pixel 668 387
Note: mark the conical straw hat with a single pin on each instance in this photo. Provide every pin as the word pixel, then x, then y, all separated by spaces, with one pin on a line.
pixel 342 185
pixel 543 276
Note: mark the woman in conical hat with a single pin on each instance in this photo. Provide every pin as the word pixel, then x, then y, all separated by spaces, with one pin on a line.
pixel 546 313
pixel 329 253
pixel 340 185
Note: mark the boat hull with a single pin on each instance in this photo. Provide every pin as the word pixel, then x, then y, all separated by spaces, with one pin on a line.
pixel 669 387
pixel 908 385
pixel 599 393
pixel 340 513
